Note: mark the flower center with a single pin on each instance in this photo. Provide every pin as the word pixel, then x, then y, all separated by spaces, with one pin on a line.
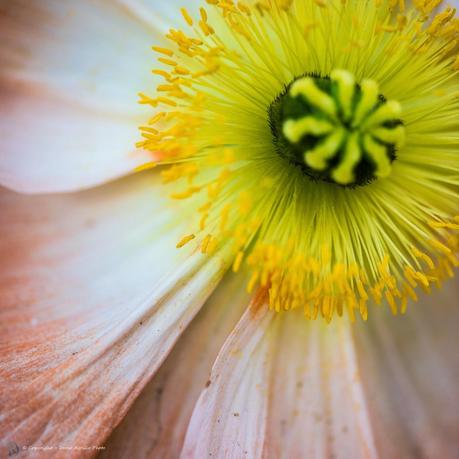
pixel 337 130
pixel 288 208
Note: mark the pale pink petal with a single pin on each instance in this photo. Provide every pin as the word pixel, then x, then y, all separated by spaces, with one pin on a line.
pixel 318 407
pixel 229 419
pixel 93 296
pixel 382 389
pixel 156 424
pixel 292 393
pixel 410 370
pixel 387 388
pixel 70 72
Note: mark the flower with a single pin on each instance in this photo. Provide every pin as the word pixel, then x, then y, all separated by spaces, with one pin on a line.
pixel 308 146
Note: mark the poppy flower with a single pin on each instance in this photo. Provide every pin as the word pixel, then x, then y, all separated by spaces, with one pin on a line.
pixel 236 244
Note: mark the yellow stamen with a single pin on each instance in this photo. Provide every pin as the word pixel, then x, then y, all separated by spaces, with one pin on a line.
pixel 185 241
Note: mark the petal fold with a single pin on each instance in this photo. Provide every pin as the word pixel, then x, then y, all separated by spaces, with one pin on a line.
pixel 230 417
pixel 318 407
pixel 156 424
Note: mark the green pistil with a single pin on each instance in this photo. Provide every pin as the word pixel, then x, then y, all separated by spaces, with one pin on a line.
pixel 337 130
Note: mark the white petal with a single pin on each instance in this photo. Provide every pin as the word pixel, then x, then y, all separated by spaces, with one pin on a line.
pixel 156 424
pixel 230 417
pixel 169 11
pixel 70 74
pixel 94 52
pixel 94 295
pixel 49 145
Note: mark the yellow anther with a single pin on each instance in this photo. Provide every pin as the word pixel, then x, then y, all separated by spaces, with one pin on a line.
pixel 166 101
pixel 361 289
pixel 391 301
pixel 363 309
pixel 161 50
pixel 203 13
pixel 321 3
pixel 203 221
pixel 186 194
pixel 162 73
pixel 407 288
pixel 186 16
pixel 206 28
pixel 253 281
pixel 285 4
pixel 439 246
pixel 205 244
pixel 440 20
pixel 404 305
pixel 238 261
pixel 167 61
pixel 146 166
pixel 156 118
pixel 448 225
pixel 244 8
pixel 185 241
pixel 212 246
pixel 165 88
pixel 149 129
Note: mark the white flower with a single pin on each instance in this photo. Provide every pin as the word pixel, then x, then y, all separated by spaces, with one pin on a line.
pixel 111 337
